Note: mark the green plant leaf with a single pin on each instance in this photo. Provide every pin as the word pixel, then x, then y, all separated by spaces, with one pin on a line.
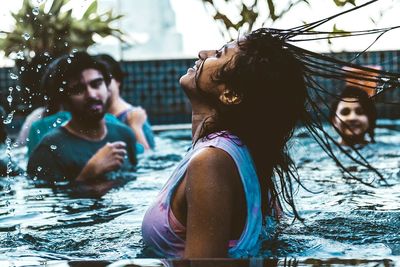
pixel 56 6
pixel 91 9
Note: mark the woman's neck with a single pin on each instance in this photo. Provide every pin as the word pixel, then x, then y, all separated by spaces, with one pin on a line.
pixel 198 119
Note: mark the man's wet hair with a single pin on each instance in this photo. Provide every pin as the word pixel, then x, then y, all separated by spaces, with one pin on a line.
pixel 67 68
pixel 367 104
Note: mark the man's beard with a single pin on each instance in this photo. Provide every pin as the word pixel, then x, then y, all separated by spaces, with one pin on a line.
pixel 88 113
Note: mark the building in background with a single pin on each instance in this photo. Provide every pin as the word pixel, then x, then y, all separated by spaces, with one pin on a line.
pixel 150 28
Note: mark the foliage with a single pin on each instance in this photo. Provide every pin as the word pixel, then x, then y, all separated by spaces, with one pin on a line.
pixel 55 31
pixel 250 12
pixel 45 32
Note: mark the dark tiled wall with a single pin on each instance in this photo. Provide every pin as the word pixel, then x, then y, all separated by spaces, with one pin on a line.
pixel 153 84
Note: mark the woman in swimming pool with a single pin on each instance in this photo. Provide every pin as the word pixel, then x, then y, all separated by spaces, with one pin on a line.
pixel 236 174
pixel 353 115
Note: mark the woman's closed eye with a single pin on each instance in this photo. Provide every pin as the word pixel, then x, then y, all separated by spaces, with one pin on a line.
pixel 218 53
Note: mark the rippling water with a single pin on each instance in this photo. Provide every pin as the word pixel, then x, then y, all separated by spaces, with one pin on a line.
pixel 344 219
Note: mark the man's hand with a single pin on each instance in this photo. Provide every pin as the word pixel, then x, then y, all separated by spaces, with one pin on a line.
pixel 108 158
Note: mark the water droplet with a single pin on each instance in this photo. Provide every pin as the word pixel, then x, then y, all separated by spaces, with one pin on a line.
pixel 69 60
pixel 74 50
pixel 26 36
pixel 9 118
pixel 54 125
pixel 45 97
pixel 58 120
pixel 53 147
pixel 66 43
pixel 20 55
pixel 35 11
pixel 38 131
pixel 13 76
pixel 18 88
pixel 22 68
pixel 385 79
pixel 39 66
pixel 60 89
pixel 39 168
pixel 9 99
pixel 10 89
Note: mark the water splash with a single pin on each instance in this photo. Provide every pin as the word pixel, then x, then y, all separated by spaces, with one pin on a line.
pixel 26 36
pixel 35 11
pixel 13 76
pixel 9 118
pixel 20 54
pixel 9 100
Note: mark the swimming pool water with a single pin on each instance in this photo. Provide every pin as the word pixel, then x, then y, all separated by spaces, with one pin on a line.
pixel 345 219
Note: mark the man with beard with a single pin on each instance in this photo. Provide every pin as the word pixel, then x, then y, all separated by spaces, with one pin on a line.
pixel 87 148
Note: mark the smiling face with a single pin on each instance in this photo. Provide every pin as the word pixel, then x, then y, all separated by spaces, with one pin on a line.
pixel 351 120
pixel 88 96
pixel 198 81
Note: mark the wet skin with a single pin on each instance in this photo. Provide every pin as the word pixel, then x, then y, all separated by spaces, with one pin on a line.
pixel 210 200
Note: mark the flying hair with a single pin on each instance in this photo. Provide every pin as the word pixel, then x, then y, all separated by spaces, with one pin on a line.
pixel 312 67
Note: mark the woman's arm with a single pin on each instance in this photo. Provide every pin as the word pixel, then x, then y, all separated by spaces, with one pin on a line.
pixel 211 187
pixel 136 118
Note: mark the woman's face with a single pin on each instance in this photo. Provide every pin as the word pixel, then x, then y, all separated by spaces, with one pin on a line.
pixel 199 78
pixel 350 119
pixel 114 87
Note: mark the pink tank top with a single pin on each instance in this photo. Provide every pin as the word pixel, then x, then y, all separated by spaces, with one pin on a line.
pixel 165 235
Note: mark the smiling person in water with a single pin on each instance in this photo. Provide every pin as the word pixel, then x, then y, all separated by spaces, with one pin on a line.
pixel 354 116
pixel 237 176
pixel 87 148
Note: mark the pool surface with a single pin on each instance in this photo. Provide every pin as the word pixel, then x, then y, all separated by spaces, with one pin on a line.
pixel 343 218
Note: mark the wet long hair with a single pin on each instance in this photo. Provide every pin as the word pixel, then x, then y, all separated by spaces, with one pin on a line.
pixel 279 85
pixel 366 103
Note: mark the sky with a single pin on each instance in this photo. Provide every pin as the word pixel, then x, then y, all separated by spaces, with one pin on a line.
pixel 199 31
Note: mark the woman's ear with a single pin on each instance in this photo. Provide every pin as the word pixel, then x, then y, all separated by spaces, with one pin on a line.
pixel 229 97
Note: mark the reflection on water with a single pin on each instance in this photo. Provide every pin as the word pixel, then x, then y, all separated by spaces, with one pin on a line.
pixel 345 219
